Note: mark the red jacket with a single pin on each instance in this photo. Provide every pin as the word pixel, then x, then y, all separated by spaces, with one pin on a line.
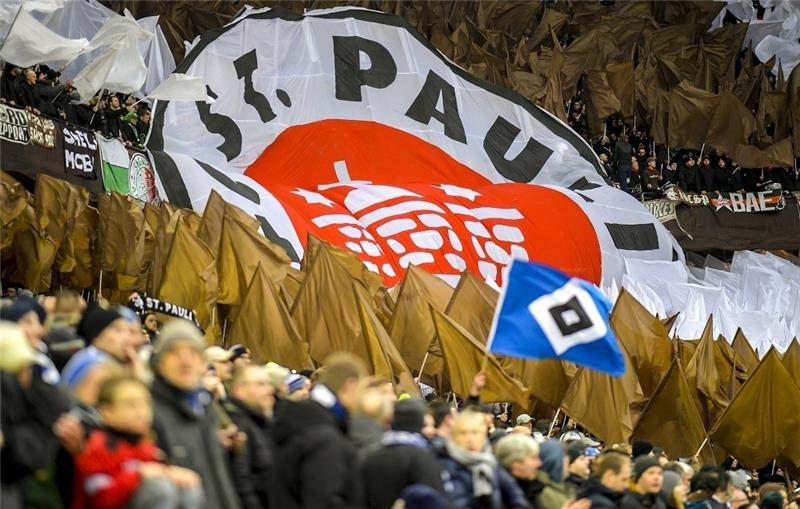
pixel 107 469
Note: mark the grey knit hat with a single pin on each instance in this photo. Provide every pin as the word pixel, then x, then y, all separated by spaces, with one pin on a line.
pixel 175 331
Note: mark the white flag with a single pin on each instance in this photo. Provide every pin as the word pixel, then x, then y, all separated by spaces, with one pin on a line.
pixel 116 31
pixel 119 69
pixel 30 42
pixel 181 87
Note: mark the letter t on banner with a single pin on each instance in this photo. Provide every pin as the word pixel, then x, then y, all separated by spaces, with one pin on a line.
pixel 543 313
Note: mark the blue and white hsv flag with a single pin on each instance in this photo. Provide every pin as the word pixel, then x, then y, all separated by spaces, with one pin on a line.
pixel 543 313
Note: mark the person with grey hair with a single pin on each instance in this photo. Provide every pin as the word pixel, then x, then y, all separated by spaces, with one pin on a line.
pixel 519 454
pixel 184 423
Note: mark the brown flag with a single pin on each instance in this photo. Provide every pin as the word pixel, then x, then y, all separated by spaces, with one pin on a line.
pixel 83 239
pixel 763 420
pixel 325 310
pixel 241 250
pixel 464 357
pixel 190 275
pixel 745 354
pixel 262 323
pixel 552 20
pixel 291 285
pixel 620 79
pixel 384 356
pixel 791 360
pixel 600 403
pixel 411 327
pixel 58 204
pixel 644 338
pixel 779 154
pixel 546 381
pixel 672 418
pixel 703 372
pixel 122 238
pixel 34 252
pixel 168 219
pixel 731 124
pixel 210 227
pixel 690 113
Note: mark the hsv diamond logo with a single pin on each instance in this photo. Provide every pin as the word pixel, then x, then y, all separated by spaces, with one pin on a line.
pixel 348 124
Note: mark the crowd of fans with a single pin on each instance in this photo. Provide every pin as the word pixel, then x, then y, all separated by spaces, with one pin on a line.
pixel 637 165
pixel 103 408
pixel 40 90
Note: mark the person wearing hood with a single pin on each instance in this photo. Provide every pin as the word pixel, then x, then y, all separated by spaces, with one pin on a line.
pixel 184 423
pixel 311 445
pixel 673 490
pixel 610 478
pixel 579 465
pixel 472 478
pixel 404 458
pixel 554 469
pixel 647 481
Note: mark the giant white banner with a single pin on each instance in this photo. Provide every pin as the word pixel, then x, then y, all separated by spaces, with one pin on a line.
pixel 353 110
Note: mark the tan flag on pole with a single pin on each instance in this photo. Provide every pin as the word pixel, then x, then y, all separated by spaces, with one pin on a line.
pixel 122 234
pixel 325 309
pixel 411 327
pixel 704 373
pixel 791 361
pixel 599 402
pixel 262 323
pixel 745 353
pixel 190 275
pixel 210 227
pixel 384 356
pixel 644 338
pixel 763 420
pixel 241 250
pixel 464 357
pixel 672 417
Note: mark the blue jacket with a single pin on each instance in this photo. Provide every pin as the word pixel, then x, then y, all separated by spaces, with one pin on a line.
pixel 457 481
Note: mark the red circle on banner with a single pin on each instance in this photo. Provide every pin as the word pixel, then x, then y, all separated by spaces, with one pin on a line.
pixel 538 222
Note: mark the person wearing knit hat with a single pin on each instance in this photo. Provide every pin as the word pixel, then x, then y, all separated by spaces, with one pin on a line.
pixel 184 420
pixel 29 315
pixel 673 490
pixel 107 330
pixel 647 480
pixel 404 458
pixel 240 356
pixel 579 464
pixel 641 448
pixel 298 387
pixel 551 475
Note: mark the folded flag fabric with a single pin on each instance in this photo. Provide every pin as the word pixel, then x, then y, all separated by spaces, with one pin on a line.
pixel 543 313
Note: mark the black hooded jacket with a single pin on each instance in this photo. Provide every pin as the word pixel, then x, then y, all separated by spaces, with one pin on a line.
pixel 600 496
pixel 317 463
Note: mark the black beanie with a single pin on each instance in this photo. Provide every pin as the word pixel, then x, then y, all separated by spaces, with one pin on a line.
pixel 95 320
pixel 642 463
pixel 641 448
pixel 409 415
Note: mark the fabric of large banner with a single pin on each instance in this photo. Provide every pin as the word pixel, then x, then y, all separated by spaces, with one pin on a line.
pixel 400 136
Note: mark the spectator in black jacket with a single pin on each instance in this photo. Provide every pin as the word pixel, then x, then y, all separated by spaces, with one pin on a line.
pixel 736 183
pixel 250 407
pixel 622 159
pixel 707 173
pixel 9 85
pixel 610 478
pixel 722 176
pixel 647 481
pixel 403 459
pixel 519 454
pixel 311 446
pixel 113 115
pixel 688 179
pixel 184 423
pixel 578 465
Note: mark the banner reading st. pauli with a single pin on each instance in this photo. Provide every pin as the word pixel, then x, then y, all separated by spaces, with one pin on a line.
pixel 348 124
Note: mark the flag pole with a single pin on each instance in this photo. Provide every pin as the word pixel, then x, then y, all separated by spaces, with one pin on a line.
pixel 701 447
pixel 421 368
pixel 553 424
pixel 100 286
